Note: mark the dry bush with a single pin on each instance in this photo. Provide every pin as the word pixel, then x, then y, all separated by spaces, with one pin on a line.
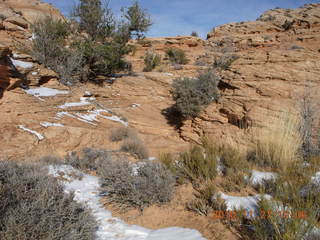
pixel 121 133
pixel 177 56
pixel 206 200
pixel 151 61
pixel 34 206
pixel 89 159
pixel 135 186
pixel 225 61
pixel 279 145
pixel 309 120
pixel 136 147
pixel 279 227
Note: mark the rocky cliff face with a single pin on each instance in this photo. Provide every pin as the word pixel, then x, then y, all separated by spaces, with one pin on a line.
pixel 277 57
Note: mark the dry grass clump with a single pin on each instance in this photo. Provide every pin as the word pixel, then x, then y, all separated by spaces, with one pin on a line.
pixel 121 133
pixel 279 145
pixel 34 206
pixel 136 147
pixel 137 185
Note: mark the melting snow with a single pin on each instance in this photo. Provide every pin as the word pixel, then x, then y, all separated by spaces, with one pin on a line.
pixel 22 64
pixel 44 92
pixel 49 124
pixel 86 191
pixel 259 177
pixel 34 73
pixel 250 203
pixel 83 101
pixel 38 135
pixel 91 116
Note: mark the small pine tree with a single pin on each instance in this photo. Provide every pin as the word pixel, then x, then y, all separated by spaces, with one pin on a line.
pixel 138 19
pixel 194 34
pixel 94 19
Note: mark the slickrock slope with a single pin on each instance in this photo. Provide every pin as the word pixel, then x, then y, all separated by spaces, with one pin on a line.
pixel 278 57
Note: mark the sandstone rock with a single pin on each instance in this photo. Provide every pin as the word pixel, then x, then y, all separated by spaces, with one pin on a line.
pixel 12 27
pixel 17 21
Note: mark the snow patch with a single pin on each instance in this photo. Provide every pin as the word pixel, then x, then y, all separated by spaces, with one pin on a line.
pixel 92 116
pixel 45 92
pixel 135 105
pixel 86 191
pixel 49 124
pixel 250 203
pixel 258 177
pixel 83 101
pixel 21 64
pixel 38 135
pixel 34 73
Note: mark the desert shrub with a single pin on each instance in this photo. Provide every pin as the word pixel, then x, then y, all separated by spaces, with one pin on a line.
pixel 136 147
pixel 287 25
pixel 194 34
pixel 98 44
pixel 308 123
pixel 206 200
pixel 151 61
pixel 48 42
pixel 277 226
pixel 89 159
pixel 177 56
pixel 34 206
pixel 279 145
pixel 121 133
pixel 199 163
pixel 192 94
pixel 139 20
pixel 136 186
pixel 225 61
pixel 232 159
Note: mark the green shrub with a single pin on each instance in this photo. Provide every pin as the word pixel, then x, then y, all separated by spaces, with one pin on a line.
pixel 177 56
pixel 139 20
pixel 198 164
pixel 135 186
pixel 151 61
pixel 48 43
pixel 98 44
pixel 136 147
pixel 34 206
pixel 192 94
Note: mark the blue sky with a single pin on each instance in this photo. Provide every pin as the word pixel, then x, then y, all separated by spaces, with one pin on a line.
pixel 181 17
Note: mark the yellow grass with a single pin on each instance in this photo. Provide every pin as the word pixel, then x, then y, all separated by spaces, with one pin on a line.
pixel 278 145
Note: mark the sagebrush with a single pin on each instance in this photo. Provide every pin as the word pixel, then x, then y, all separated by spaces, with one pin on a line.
pixel 192 94
pixel 33 205
pixel 138 185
